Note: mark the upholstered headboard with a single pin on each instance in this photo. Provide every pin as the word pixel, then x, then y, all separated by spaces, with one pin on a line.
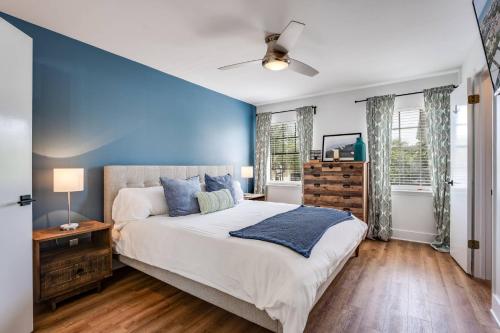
pixel 117 177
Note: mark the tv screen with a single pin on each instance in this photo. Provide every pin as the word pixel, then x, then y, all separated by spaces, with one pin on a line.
pixel 488 20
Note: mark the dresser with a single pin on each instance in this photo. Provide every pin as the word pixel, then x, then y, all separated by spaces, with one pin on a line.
pixel 341 185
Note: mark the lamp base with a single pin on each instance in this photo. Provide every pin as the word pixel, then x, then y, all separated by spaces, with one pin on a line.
pixel 69 226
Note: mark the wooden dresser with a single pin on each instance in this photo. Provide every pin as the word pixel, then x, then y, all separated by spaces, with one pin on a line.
pixel 341 185
pixel 60 270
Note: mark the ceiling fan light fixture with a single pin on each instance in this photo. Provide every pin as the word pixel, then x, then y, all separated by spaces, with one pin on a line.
pixel 276 64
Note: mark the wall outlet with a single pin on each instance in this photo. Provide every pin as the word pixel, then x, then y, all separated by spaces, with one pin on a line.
pixel 73 242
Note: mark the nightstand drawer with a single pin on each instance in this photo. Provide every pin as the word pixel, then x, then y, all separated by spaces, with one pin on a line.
pixel 92 267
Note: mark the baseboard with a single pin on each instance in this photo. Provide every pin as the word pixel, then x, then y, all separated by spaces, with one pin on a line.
pixel 413 236
pixel 495 308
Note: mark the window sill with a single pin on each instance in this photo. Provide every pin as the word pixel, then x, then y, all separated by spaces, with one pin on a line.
pixel 284 184
pixel 411 191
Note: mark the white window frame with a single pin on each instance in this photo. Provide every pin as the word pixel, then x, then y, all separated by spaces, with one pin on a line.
pixel 292 183
pixel 410 188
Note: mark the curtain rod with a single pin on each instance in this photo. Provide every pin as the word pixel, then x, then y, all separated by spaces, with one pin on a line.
pixel 313 106
pixel 412 93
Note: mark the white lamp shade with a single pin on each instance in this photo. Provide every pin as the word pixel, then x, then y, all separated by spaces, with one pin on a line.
pixel 68 180
pixel 247 172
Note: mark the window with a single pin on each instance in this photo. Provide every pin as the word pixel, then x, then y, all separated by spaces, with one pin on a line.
pixel 409 155
pixel 284 152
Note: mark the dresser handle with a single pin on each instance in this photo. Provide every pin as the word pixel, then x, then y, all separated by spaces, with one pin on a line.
pixel 317 184
pixel 79 271
pixel 312 167
pixel 317 194
pixel 346 185
pixel 345 175
pixel 330 166
pixel 351 166
pixel 347 197
pixel 316 175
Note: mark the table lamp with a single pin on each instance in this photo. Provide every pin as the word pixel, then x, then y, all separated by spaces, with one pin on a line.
pixel 247 172
pixel 68 180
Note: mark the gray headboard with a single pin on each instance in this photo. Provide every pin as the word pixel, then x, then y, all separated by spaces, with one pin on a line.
pixel 117 177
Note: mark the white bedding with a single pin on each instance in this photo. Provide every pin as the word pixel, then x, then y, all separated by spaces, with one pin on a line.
pixel 270 276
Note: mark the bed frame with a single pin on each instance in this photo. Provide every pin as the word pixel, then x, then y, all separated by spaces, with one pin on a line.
pixel 118 177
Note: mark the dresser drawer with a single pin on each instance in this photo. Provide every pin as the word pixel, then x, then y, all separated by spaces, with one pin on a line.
pixel 333 200
pixel 63 277
pixel 334 189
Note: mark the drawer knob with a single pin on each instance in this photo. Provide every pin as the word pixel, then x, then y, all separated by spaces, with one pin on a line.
pixel 330 166
pixel 79 271
pixel 312 166
pixel 317 194
pixel 351 166
pixel 316 175
pixel 345 175
pixel 317 184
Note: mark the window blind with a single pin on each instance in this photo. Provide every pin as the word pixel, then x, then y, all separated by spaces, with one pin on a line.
pixel 284 152
pixel 409 154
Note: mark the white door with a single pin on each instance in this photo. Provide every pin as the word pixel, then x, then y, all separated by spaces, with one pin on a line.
pixel 16 294
pixel 459 190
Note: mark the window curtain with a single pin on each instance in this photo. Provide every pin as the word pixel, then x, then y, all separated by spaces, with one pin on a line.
pixel 379 112
pixel 262 135
pixel 437 108
pixel 305 117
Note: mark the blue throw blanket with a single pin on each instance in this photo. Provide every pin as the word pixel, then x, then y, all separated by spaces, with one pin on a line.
pixel 299 229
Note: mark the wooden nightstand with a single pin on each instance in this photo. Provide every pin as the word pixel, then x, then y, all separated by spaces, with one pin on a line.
pixel 61 271
pixel 253 196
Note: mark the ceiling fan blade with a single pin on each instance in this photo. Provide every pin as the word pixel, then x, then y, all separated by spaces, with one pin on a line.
pixel 301 68
pixel 289 36
pixel 240 64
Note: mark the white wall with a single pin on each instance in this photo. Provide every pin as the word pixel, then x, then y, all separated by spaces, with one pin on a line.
pixel 337 113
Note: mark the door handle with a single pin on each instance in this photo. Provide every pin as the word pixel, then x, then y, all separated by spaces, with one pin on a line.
pixel 25 200
pixel 450 182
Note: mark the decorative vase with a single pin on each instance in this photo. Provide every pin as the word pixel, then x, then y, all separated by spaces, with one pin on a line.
pixel 359 150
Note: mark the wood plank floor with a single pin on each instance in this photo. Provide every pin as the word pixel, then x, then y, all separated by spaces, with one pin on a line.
pixel 391 287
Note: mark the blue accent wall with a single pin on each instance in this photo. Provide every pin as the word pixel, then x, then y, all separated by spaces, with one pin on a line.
pixel 92 108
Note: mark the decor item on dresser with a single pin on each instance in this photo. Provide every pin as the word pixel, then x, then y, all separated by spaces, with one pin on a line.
pixel 339 147
pixel 341 185
pixel 68 180
pixel 359 150
pixel 315 154
pixel 61 271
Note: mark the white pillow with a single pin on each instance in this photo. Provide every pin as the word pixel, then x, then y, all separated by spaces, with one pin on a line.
pixel 238 192
pixel 133 204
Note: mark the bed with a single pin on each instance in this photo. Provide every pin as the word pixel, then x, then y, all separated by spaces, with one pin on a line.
pixel 262 282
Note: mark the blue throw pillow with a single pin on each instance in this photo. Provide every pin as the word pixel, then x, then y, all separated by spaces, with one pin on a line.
pixel 181 195
pixel 220 183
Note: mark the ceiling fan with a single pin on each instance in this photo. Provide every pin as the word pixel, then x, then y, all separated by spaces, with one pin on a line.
pixel 278 46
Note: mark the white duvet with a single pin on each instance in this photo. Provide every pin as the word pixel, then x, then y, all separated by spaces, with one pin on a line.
pixel 270 276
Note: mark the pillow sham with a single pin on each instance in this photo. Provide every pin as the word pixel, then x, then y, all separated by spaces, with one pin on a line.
pixel 214 201
pixel 133 204
pixel 181 195
pixel 219 183
pixel 238 192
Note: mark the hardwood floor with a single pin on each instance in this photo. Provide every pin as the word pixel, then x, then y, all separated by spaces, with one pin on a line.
pixel 391 287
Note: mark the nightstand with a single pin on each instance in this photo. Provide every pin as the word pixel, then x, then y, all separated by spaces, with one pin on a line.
pixel 253 196
pixel 62 269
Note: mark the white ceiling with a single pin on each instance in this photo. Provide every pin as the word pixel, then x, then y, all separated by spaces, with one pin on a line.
pixel 352 43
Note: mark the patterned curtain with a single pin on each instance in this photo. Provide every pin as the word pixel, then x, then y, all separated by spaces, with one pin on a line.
pixel 379 111
pixel 437 108
pixel 305 117
pixel 262 136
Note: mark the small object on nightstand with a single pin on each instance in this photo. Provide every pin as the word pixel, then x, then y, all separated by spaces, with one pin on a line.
pixel 254 196
pixel 68 226
pixel 63 267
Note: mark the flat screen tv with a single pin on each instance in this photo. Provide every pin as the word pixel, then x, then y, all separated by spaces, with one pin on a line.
pixel 488 20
